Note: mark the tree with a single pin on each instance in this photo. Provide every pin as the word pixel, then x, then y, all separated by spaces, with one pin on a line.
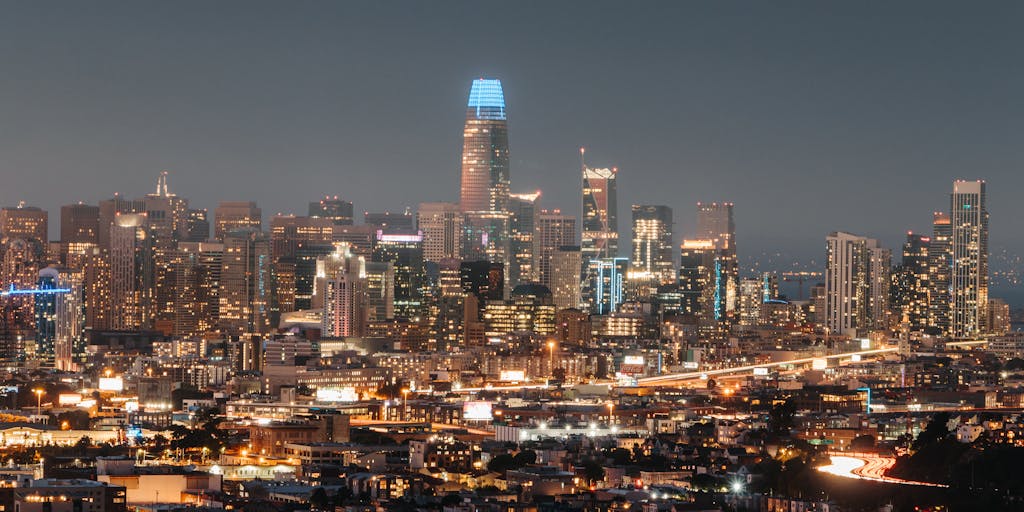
pixel 863 442
pixel 318 499
pixel 936 431
pixel 593 472
pixel 524 458
pixel 502 463
pixel 780 418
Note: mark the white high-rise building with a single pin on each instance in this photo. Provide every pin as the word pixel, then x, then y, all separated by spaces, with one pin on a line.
pixel 857 277
pixel 969 280
pixel 342 285
pixel 441 224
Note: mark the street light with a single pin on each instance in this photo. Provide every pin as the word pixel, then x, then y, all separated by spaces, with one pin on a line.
pixel 405 402
pixel 39 401
pixel 551 357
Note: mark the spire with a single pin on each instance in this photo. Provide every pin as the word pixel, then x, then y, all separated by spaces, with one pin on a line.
pixel 161 185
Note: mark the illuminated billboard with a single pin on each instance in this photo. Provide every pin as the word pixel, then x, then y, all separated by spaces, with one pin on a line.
pixel 337 395
pixel 633 360
pixel 111 384
pixel 480 411
pixel 512 376
pixel 819 363
pixel 761 371
pixel 69 398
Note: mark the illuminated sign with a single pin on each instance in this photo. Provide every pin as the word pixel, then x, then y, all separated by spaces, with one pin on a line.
pixel 69 398
pixel 111 384
pixel 480 411
pixel 819 363
pixel 512 375
pixel 633 360
pixel 761 371
pixel 337 395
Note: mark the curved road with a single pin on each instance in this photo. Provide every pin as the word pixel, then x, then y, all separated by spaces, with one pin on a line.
pixel 868 467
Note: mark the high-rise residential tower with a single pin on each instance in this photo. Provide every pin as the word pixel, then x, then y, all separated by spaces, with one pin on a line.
pixel 969 277
pixel 940 266
pixel 857 280
pixel 911 291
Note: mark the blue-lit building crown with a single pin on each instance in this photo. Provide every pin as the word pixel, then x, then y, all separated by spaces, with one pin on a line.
pixel 487 98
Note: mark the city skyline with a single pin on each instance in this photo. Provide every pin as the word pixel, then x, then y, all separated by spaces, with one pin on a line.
pixel 689 158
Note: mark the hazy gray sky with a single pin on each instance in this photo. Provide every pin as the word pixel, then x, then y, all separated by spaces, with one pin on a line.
pixel 810 116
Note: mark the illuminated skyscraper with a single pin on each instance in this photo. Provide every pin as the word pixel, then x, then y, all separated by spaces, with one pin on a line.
pixel 27 222
pixel 522 219
pixel 563 271
pixel 342 287
pixel 246 285
pixel 337 210
pixel 969 277
pixel 607 284
pixel 197 226
pixel 405 253
pixel 940 267
pixel 552 232
pixel 197 269
pixel 715 222
pixel 131 291
pixel 441 225
pixel 485 152
pixel 599 229
pixel 236 216
pixel 857 280
pixel 390 222
pixel 652 242
pixel 696 278
pixel 79 223
pixel 60 317
pixel 911 286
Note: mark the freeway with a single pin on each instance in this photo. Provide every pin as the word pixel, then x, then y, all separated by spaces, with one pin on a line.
pixel 864 466
pixel 664 379
pixel 670 379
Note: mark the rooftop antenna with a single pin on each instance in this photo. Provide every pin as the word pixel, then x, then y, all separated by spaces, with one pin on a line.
pixel 161 185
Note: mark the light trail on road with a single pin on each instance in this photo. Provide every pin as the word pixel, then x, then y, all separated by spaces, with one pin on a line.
pixel 661 379
pixel 868 467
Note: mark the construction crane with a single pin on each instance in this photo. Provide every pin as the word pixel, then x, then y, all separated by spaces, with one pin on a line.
pixel 799 278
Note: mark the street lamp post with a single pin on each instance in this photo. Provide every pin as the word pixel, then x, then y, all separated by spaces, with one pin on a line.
pixel 551 357
pixel 405 403
pixel 39 401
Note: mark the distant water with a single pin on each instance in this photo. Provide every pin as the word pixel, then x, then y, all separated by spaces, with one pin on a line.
pixel 1013 295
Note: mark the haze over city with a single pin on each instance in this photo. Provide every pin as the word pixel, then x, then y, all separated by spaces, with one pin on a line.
pixel 401 256
pixel 808 117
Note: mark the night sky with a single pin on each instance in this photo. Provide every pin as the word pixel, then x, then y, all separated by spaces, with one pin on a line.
pixel 810 117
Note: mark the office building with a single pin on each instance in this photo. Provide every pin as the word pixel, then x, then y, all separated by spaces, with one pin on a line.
pixel 652 242
pixel 405 253
pixel 563 276
pixel 389 222
pixel 522 222
pixel 485 149
pixel 246 284
pixel 336 210
pixel 441 225
pixel 233 216
pixel 607 284
pixel 27 222
pixel 553 231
